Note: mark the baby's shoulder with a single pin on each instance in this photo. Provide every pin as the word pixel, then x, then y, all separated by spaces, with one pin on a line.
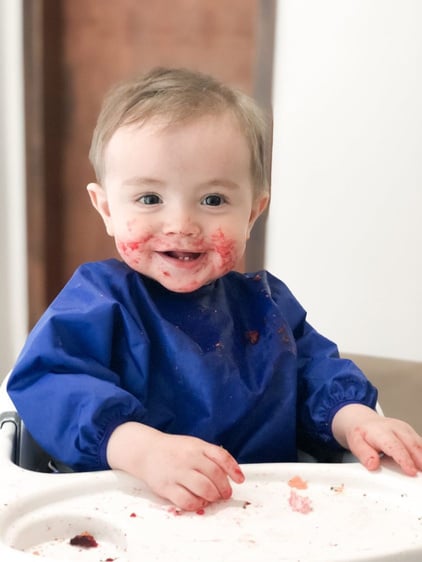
pixel 259 282
pixel 107 279
pixel 103 268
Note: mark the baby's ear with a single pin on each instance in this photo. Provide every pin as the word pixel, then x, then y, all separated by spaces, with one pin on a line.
pixel 258 207
pixel 99 201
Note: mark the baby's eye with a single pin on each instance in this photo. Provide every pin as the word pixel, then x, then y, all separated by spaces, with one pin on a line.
pixel 213 200
pixel 150 199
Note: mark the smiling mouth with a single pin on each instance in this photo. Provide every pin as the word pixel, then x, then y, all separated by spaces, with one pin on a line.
pixel 183 256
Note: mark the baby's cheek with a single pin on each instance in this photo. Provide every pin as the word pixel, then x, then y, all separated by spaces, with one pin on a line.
pixel 129 251
pixel 131 246
pixel 227 249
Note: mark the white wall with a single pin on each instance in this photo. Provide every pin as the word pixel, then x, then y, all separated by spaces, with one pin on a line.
pixel 13 296
pixel 345 227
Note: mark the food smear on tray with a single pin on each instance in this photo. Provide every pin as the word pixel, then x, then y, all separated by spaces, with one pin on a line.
pixel 85 540
pixel 300 504
pixel 298 483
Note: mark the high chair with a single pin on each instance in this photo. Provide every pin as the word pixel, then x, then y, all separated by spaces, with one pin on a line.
pixel 309 511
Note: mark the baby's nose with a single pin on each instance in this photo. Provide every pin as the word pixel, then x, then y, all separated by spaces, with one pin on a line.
pixel 181 223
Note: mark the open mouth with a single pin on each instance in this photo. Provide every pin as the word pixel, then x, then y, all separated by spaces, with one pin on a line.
pixel 183 256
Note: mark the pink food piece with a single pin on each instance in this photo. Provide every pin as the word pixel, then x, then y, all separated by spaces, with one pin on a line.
pixel 301 504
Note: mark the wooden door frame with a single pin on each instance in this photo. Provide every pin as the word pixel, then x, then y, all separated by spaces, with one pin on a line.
pixel 42 99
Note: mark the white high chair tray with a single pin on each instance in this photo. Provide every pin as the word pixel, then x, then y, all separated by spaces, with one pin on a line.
pixel 344 514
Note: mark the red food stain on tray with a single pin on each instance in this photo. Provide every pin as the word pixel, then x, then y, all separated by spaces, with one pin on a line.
pixel 85 540
pixel 298 483
pixel 300 504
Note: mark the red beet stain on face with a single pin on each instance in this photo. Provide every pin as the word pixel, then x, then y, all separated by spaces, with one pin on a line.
pixel 224 248
pixel 126 248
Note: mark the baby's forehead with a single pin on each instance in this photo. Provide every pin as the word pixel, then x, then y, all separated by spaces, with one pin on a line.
pixel 165 125
pixel 157 144
pixel 167 121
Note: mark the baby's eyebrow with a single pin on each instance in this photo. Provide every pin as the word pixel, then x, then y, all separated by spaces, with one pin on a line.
pixel 221 182
pixel 145 181
pixel 140 181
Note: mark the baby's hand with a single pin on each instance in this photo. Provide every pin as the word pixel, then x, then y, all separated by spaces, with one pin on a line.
pixel 187 471
pixel 367 434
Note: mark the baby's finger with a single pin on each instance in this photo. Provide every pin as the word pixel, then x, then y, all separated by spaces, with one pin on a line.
pixel 413 444
pixel 400 455
pixel 226 462
pixel 365 453
pixel 208 482
pixel 416 454
pixel 184 498
pixel 394 447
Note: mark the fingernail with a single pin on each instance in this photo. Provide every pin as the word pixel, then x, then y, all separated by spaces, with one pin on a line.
pixel 371 463
pixel 240 473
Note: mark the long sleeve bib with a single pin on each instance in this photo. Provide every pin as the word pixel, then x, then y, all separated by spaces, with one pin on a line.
pixel 234 363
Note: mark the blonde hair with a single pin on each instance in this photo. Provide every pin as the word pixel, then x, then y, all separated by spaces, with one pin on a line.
pixel 180 95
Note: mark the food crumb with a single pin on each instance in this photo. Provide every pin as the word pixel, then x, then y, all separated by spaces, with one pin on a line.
pixel 298 483
pixel 175 511
pixel 300 504
pixel 85 540
pixel 337 489
pixel 245 504
pixel 133 515
pixel 252 336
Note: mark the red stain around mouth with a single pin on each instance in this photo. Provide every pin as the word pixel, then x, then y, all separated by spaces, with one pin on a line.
pixel 224 248
pixel 126 248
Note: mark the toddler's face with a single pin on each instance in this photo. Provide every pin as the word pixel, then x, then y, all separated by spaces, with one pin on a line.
pixel 179 199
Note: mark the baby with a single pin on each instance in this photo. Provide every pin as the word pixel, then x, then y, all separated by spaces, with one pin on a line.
pixel 169 364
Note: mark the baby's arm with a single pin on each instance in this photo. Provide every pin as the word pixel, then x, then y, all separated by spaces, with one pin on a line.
pixel 366 434
pixel 185 470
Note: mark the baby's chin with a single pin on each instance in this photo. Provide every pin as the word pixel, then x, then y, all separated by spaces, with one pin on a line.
pixel 182 282
pixel 186 287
